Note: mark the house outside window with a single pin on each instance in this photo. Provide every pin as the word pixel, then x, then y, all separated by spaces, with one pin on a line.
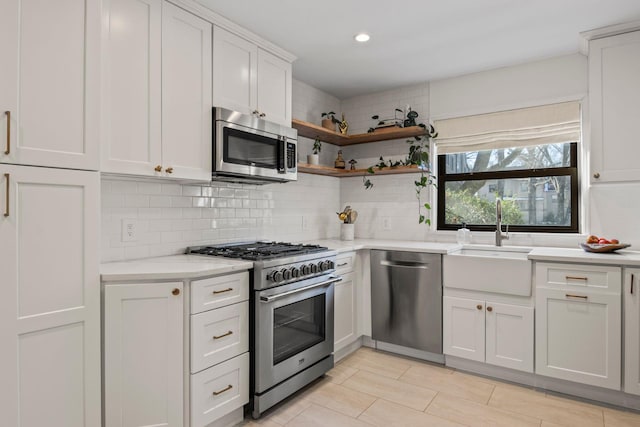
pixel 527 158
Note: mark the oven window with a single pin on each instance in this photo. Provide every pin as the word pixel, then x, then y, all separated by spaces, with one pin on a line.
pixel 298 326
pixel 246 148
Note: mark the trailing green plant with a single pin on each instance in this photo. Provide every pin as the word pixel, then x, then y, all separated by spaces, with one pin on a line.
pixel 418 155
pixel 317 146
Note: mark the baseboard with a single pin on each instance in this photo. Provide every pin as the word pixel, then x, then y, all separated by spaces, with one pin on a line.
pixel 347 350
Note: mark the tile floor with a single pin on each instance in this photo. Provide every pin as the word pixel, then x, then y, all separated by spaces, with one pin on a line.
pixel 375 388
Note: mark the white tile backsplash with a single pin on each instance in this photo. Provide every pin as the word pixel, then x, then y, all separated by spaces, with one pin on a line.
pixel 182 215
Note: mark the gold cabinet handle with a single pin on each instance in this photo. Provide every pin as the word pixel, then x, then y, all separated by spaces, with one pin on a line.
pixel 489 309
pixel 479 306
pixel 6 208
pixel 222 291
pixel 217 337
pixel 596 175
pixel 175 291
pixel 584 297
pixel 227 388
pixel 575 278
pixel 8 150
pixel 158 168
pixel 169 170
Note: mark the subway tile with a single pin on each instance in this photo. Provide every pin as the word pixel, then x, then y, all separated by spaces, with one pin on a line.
pixel 172 189
pixel 159 201
pixel 209 191
pixel 124 187
pixel 149 188
pixel 180 202
pixel 191 190
pixel 226 192
pixel 136 201
pixel 200 202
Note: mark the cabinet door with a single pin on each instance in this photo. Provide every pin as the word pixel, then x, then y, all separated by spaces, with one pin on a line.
pixel 50 83
pixel 274 88
pixel 143 354
pixel 632 331
pixel 509 339
pixel 186 94
pixel 235 66
pixel 463 328
pixel 131 141
pixel 345 313
pixel 614 90
pixel 578 336
pixel 50 306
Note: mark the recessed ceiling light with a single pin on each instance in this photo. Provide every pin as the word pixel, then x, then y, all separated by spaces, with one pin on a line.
pixel 362 37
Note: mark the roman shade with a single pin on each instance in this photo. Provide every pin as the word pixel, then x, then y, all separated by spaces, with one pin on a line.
pixel 545 124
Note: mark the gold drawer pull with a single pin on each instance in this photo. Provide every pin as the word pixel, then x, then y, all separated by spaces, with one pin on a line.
pixel 158 168
pixel 6 211
pixel 479 306
pixel 227 388
pixel 222 291
pixel 217 337
pixel 489 309
pixel 584 297
pixel 169 170
pixel 8 150
pixel 576 278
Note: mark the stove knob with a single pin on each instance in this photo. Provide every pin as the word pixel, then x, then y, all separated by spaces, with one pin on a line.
pixel 323 265
pixel 314 268
pixel 275 276
pixel 286 274
pixel 305 270
pixel 331 265
pixel 295 272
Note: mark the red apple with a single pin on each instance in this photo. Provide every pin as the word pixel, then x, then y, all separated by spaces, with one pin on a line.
pixel 615 241
pixel 604 241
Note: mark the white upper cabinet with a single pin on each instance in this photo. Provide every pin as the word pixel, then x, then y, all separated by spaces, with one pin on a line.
pixel 131 140
pixel 157 91
pixel 614 93
pixel 50 83
pixel 248 79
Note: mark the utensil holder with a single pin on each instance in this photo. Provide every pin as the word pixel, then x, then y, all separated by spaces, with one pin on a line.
pixel 347 231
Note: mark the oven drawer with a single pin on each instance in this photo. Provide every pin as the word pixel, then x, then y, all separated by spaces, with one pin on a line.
pixel 218 335
pixel 219 291
pixel 219 390
pixel 344 263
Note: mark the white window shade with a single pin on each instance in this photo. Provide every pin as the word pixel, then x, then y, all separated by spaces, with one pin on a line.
pixel 546 124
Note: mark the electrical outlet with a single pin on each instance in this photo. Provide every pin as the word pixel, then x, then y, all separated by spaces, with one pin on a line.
pixel 129 232
pixel 305 223
pixel 386 223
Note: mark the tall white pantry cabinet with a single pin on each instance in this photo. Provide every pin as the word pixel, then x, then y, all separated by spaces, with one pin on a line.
pixel 49 210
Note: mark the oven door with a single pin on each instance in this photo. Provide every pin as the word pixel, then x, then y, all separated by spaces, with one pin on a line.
pixel 294 329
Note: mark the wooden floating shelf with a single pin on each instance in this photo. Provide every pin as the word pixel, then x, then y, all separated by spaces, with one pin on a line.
pixel 341 173
pixel 312 131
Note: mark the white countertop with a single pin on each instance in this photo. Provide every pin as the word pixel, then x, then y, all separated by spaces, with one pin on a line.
pixel 623 257
pixel 393 245
pixel 170 267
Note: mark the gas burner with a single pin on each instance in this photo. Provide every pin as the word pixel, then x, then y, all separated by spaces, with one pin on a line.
pixel 257 251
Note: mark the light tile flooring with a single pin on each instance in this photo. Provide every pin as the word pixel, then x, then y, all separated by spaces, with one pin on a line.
pixel 375 388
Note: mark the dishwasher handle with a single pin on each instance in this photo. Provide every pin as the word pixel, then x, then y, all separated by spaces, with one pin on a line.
pixel 405 264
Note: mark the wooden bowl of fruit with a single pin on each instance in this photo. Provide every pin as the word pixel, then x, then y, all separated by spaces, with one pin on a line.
pixel 602 245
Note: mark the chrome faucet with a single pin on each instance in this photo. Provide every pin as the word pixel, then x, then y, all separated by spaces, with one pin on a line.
pixel 499 236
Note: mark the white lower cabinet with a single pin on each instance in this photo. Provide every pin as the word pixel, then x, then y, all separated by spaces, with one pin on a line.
pixel 143 354
pixel 631 298
pixel 345 323
pixel 485 331
pixel 168 362
pixel 578 323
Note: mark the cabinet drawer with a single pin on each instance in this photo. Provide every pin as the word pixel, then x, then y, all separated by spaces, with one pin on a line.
pixel 580 276
pixel 218 335
pixel 219 291
pixel 344 262
pixel 219 390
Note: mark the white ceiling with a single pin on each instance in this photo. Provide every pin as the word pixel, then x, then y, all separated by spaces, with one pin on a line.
pixel 414 41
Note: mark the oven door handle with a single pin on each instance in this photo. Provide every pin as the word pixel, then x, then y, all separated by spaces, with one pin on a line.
pixel 295 291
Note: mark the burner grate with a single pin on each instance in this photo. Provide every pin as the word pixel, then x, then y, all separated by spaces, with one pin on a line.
pixel 258 250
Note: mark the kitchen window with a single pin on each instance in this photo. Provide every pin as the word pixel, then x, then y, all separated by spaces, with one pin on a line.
pixel 527 158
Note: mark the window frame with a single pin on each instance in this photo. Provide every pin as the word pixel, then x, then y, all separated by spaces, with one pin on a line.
pixel 571 170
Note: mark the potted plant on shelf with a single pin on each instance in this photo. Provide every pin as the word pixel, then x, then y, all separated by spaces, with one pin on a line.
pixel 313 159
pixel 329 121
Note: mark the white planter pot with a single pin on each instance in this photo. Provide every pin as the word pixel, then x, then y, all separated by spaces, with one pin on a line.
pixel 347 231
pixel 313 159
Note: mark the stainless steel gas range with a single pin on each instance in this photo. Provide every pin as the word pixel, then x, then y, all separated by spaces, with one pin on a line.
pixel 292 315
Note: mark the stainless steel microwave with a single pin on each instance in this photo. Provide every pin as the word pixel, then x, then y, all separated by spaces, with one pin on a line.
pixel 252 150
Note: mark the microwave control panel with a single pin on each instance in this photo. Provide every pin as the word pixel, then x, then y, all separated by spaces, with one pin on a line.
pixel 291 156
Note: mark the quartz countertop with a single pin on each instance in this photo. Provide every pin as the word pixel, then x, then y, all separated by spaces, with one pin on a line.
pixel 622 257
pixel 394 245
pixel 171 267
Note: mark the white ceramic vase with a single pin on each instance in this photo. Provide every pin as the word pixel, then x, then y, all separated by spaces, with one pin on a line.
pixel 313 159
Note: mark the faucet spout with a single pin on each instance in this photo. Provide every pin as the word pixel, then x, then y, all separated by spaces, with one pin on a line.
pixel 499 236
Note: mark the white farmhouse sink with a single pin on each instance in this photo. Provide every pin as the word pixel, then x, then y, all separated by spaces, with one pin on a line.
pixel 503 270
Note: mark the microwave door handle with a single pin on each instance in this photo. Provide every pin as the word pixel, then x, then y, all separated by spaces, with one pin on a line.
pixel 282 151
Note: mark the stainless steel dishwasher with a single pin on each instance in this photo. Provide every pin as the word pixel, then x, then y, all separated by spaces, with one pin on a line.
pixel 406 299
